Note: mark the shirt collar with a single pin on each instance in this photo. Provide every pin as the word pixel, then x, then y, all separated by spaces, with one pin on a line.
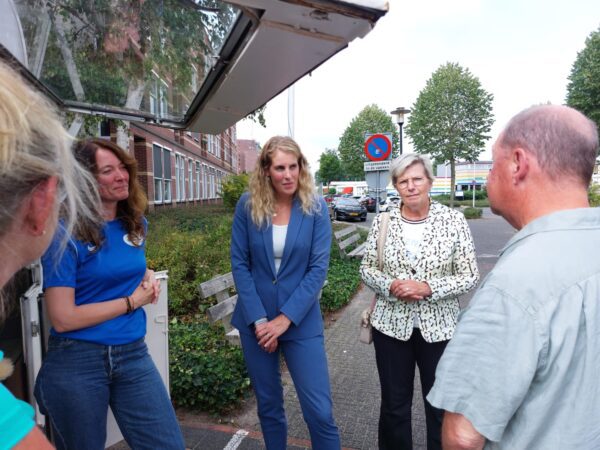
pixel 568 219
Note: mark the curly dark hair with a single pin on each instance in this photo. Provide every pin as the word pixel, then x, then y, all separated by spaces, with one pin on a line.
pixel 131 210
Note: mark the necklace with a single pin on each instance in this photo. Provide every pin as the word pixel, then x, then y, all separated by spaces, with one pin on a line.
pixel 417 220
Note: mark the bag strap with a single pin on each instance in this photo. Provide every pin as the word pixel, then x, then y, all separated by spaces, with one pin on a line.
pixel 383 227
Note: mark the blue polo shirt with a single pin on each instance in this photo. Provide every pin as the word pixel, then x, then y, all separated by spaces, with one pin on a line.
pixel 113 271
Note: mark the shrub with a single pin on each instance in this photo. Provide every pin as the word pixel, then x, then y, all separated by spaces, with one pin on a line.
pixel 594 195
pixel 343 278
pixel 193 245
pixel 473 213
pixel 206 372
pixel 233 187
pixel 479 195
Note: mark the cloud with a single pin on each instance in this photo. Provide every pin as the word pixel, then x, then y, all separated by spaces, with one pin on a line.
pixel 522 53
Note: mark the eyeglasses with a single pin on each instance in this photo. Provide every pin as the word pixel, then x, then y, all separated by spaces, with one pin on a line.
pixel 417 182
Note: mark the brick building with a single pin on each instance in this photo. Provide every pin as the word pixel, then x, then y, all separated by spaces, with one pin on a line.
pixel 248 150
pixel 178 168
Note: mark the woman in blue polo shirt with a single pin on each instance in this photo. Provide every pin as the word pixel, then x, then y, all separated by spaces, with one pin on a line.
pixel 94 294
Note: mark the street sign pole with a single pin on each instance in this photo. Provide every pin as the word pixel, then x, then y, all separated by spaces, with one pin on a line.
pixel 378 149
pixel 377 201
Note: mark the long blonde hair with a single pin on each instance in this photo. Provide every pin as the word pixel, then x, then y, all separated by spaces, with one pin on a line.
pixel 262 195
pixel 34 147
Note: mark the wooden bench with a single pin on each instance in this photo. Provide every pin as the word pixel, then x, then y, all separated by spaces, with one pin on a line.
pixel 220 287
pixel 345 238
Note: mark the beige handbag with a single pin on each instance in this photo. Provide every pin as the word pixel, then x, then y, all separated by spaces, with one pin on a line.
pixel 366 330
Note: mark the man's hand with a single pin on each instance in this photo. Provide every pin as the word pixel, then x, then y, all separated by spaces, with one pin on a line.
pixel 459 434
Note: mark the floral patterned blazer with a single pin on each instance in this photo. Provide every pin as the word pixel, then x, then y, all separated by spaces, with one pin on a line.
pixel 447 263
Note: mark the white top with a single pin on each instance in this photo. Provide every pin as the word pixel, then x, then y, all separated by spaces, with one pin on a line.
pixel 413 236
pixel 279 234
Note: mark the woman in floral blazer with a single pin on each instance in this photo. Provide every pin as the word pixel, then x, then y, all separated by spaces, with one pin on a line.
pixel 428 261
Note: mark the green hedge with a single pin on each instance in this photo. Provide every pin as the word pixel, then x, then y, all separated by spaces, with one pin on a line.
pixel 193 244
pixel 207 373
pixel 343 278
pixel 473 213
pixel 594 195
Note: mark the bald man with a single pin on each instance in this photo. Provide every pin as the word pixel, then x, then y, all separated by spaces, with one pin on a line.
pixel 523 368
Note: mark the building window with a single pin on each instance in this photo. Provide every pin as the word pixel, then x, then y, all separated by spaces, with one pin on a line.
pixel 218 146
pixel 180 177
pixel 212 183
pixel 162 173
pixel 191 179
pixel 205 181
pixel 158 96
pixel 197 180
pixel 211 144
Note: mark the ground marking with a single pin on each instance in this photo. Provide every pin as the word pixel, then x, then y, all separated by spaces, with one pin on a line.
pixel 236 440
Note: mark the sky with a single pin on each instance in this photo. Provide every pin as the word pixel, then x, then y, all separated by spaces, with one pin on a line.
pixel 522 52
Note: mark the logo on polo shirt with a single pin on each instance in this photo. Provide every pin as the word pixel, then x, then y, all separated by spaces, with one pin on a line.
pixel 131 244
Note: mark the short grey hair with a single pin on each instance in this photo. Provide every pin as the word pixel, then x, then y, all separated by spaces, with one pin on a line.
pixel 403 162
pixel 564 141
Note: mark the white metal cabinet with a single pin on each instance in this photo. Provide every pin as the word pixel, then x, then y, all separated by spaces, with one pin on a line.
pixel 157 339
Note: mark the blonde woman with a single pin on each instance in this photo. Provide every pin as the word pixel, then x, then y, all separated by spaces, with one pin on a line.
pixel 38 175
pixel 279 256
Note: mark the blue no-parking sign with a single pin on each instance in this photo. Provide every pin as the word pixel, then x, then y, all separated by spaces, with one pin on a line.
pixel 378 147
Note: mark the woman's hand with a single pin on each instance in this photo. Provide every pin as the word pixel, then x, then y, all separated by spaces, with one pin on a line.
pixel 267 333
pixel 145 293
pixel 149 277
pixel 410 290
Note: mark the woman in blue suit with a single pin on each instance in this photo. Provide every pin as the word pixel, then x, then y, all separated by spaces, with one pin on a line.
pixel 279 256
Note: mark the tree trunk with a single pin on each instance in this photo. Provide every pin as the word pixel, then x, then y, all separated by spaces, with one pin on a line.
pixel 68 58
pixel 452 181
pixel 76 125
pixel 135 94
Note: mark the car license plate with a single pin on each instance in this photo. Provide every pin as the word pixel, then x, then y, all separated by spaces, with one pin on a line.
pixel 354 214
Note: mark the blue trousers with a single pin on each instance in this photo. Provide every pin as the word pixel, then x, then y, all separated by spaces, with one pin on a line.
pixel 307 363
pixel 79 380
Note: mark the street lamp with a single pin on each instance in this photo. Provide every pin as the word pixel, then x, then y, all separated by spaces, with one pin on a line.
pixel 398 114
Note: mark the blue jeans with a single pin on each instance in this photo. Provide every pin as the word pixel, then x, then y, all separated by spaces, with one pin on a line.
pixel 79 380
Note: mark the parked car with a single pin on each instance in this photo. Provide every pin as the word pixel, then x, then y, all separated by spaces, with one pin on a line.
pixel 368 202
pixel 347 209
pixel 389 203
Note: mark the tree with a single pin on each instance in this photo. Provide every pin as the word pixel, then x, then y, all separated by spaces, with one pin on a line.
pixel 141 54
pixel 233 187
pixel 372 119
pixel 330 167
pixel 451 118
pixel 583 90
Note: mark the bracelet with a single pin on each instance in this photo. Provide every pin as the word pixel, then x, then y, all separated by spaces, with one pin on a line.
pixel 129 307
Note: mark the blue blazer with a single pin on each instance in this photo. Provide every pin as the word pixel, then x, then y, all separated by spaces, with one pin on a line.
pixel 294 289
